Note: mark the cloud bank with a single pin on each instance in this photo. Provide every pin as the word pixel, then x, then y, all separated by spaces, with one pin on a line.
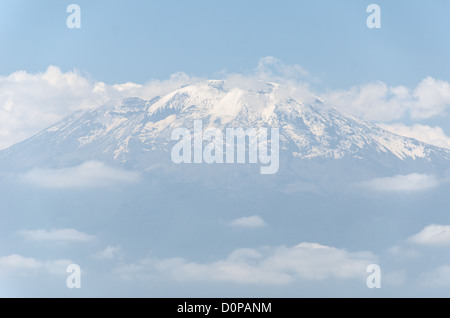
pixel 30 103
pixel 403 183
pixel 91 174
pixel 380 102
pixel 270 265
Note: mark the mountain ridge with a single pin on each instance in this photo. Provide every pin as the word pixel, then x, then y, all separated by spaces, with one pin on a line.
pixel 136 133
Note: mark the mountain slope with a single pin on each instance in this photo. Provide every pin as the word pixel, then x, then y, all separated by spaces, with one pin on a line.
pixel 136 134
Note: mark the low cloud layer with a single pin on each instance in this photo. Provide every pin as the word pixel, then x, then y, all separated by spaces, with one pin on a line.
pixel 27 266
pixel 56 235
pixel 270 265
pixel 91 174
pixel 403 183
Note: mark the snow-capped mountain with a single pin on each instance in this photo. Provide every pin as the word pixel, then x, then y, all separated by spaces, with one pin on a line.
pixel 109 172
pixel 136 133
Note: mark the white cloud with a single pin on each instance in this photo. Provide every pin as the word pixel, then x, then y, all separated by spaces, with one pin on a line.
pixel 373 101
pixel 254 221
pixel 431 98
pixel 56 235
pixel 270 265
pixel 403 183
pixel 110 252
pixel 20 265
pixel 433 234
pixel 127 86
pixel 19 262
pixel 31 102
pixel 270 67
pixel 87 175
pixel 430 135
pixel 380 102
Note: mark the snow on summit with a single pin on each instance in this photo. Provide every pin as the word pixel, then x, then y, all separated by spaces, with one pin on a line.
pixel 134 130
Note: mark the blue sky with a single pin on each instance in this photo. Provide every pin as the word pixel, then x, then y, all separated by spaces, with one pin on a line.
pixel 142 40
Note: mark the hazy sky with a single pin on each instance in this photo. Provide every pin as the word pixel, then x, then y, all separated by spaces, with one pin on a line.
pixel 137 40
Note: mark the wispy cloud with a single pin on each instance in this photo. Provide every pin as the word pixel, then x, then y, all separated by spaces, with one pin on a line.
pixel 403 183
pixel 254 221
pixel 433 234
pixel 270 265
pixel 56 235
pixel 110 252
pixel 19 265
pixel 271 67
pixel 90 174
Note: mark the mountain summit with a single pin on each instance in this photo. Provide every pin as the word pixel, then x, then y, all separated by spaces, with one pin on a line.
pixel 136 134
